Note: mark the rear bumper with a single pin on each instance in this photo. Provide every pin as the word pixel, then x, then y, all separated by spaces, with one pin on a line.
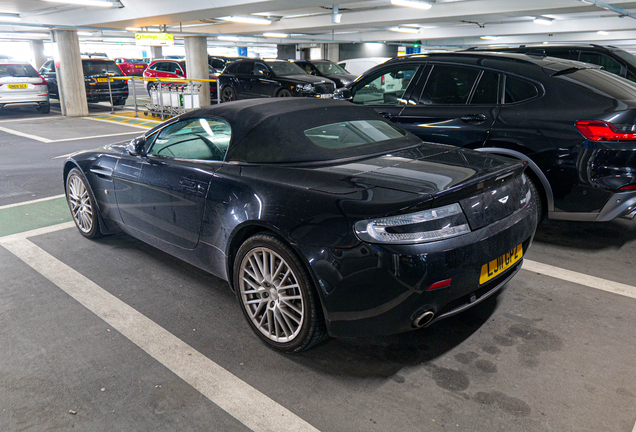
pixel 100 95
pixel 32 98
pixel 373 289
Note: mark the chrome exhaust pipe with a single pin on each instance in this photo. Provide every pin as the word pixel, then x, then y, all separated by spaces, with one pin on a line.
pixel 423 319
pixel 631 215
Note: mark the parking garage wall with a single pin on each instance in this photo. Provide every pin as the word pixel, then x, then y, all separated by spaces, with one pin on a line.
pixel 361 50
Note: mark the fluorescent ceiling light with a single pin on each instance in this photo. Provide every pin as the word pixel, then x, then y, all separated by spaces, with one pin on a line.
pixel 401 29
pixel 83 33
pixel 228 38
pixel 489 37
pixel 542 21
pixel 9 17
pixel 247 19
pixel 276 35
pixel 99 3
pixel 602 32
pixel 545 43
pixel 413 4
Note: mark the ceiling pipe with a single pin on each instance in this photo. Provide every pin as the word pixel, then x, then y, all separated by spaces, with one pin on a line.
pixel 610 7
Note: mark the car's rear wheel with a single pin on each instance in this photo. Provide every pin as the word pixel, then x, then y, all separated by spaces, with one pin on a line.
pixel 277 295
pixel 283 93
pixel 537 196
pixel 228 94
pixel 82 204
pixel 44 108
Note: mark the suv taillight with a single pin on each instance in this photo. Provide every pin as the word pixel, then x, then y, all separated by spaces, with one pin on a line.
pixel 596 130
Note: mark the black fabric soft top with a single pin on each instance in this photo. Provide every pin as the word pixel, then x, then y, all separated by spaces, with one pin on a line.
pixel 272 130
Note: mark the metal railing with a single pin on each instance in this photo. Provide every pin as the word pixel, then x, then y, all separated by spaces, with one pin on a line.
pixel 161 85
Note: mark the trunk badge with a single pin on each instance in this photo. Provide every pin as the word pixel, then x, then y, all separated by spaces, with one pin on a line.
pixel 503 200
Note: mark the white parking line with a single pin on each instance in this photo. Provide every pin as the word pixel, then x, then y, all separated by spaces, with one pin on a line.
pixel 580 278
pixel 243 402
pixel 25 135
pixel 31 202
pixel 95 136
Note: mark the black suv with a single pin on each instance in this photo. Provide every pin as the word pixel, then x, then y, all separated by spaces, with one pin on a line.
pixel 246 79
pixel 573 123
pixel 218 63
pixel 96 74
pixel 327 69
pixel 613 59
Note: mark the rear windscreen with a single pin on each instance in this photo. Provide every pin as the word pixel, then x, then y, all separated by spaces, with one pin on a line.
pixel 352 133
pixel 602 82
pixel 17 70
pixel 134 60
pixel 100 68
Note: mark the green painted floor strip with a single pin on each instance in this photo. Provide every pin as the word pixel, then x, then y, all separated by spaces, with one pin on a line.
pixel 27 217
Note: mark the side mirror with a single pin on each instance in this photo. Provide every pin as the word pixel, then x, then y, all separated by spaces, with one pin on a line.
pixel 343 93
pixel 137 146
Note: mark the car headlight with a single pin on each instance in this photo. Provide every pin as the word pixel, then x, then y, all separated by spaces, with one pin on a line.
pixel 305 87
pixel 424 226
pixel 345 82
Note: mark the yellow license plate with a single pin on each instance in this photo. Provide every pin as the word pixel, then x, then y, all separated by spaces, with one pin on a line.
pixel 102 79
pixel 18 86
pixel 496 267
pixel 139 66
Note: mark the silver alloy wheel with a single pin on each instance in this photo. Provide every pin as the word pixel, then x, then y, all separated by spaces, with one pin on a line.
pixel 80 203
pixel 270 294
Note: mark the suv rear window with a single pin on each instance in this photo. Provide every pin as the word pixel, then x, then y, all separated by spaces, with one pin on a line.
pixel 97 67
pixel 603 82
pixel 518 90
pixel 17 70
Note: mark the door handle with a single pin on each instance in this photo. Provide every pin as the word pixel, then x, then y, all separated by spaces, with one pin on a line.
pixel 475 118
pixel 386 115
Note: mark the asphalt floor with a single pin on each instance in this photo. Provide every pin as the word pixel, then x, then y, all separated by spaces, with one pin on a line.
pixel 113 334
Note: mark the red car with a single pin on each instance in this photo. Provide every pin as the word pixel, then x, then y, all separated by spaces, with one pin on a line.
pixel 131 67
pixel 166 68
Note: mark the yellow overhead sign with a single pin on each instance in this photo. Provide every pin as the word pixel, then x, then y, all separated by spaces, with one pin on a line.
pixel 154 39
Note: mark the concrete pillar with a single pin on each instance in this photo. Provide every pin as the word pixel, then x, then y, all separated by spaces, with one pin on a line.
pixel 196 48
pixel 37 48
pixel 70 74
pixel 155 52
pixel 333 52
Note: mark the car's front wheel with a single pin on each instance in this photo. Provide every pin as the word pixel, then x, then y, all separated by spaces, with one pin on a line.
pixel 276 295
pixel 228 94
pixel 82 204
pixel 283 93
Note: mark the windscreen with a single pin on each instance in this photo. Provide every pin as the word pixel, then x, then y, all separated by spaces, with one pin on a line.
pixel 327 68
pixel 130 60
pixel 96 67
pixel 285 68
pixel 18 71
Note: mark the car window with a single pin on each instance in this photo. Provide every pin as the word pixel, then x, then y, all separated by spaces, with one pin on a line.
pixel 283 68
pixel 449 85
pixel 384 87
pixel 217 64
pixel 232 68
pixel 327 68
pixel 518 90
pixel 17 70
pixel 245 68
pixel 97 67
pixel 487 90
pixel 47 67
pixel 261 69
pixel 561 53
pixel 353 133
pixel 603 83
pixel 205 139
pixel 608 63
pixel 306 67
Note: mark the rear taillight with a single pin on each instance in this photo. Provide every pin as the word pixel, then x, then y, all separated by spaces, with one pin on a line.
pixel 627 188
pixel 43 82
pixel 596 130
pixel 382 80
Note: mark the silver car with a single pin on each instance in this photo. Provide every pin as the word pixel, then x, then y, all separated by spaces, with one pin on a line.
pixel 21 84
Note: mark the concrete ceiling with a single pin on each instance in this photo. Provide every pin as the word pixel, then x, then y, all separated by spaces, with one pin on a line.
pixel 448 24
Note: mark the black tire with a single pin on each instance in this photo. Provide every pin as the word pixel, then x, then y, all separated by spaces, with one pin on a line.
pixel 44 108
pixel 228 94
pixel 82 204
pixel 299 331
pixel 150 87
pixel 283 93
pixel 537 196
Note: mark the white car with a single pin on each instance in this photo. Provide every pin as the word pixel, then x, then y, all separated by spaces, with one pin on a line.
pixel 21 84
pixel 358 66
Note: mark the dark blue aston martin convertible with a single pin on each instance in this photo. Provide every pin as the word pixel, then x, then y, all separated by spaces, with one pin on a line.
pixel 324 217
